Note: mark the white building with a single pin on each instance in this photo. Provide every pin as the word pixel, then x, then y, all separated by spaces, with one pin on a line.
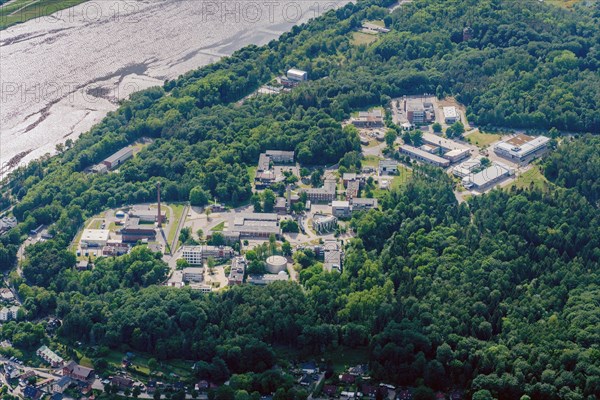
pixel 457 155
pixel 276 264
pixel 467 167
pixel 424 156
pixel 297 75
pixel 451 115
pixel 388 167
pixel 196 255
pixel 267 279
pixel 445 144
pixel 488 177
pixel 193 254
pixel 324 223
pixel 522 147
pixel 8 313
pixel 95 237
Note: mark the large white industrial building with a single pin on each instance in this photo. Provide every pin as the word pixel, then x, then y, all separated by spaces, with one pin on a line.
pixel 488 177
pixel 522 147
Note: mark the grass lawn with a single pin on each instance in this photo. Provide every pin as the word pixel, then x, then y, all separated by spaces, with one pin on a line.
pixel 252 172
pixel 531 178
pixel 177 213
pixel 219 228
pixel 397 181
pixel 378 22
pixel 23 10
pixel 361 38
pixel 343 358
pixel 140 365
pixel 481 139
pixel 371 161
pixel 563 3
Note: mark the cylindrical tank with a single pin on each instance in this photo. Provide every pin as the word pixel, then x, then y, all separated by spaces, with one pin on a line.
pixel 276 264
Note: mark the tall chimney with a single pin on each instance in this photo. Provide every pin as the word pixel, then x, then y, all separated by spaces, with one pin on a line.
pixel 159 216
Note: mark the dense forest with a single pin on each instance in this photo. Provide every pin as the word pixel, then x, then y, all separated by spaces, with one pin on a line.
pixel 497 296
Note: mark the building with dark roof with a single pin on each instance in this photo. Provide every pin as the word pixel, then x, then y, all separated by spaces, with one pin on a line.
pixel 134 231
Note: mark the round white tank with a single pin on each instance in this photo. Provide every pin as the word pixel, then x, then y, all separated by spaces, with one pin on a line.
pixel 276 264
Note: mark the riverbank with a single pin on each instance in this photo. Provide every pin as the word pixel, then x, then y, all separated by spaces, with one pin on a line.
pixel 62 74
pixel 19 11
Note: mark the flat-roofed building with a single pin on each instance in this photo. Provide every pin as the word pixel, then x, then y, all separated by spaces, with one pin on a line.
pixel 267 279
pixel 95 237
pixel 146 214
pixel 323 223
pixel 363 204
pixel 238 269
pixel 193 274
pixel 451 115
pixel 196 255
pixel 256 225
pixel 522 147
pixel 467 167
pixel 340 209
pixel 332 256
pixel 297 75
pixel 115 248
pixel 445 144
pixel 99 169
pixel 488 177
pixel 280 206
pixel 134 231
pixel 457 155
pixel 118 158
pixel 388 167
pixel 369 119
pixel 324 194
pixel 423 156
pixel 352 189
pixel 280 156
pixel 349 177
pixel 193 255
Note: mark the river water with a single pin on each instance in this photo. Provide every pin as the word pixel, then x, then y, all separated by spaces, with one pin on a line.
pixel 60 74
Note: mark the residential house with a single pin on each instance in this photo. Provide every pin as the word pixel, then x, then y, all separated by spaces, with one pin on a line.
pixel 309 368
pixel 49 356
pixel 32 393
pixel 78 372
pixel 82 265
pixel 330 390
pixel 347 379
pixel 122 382
pixel 61 385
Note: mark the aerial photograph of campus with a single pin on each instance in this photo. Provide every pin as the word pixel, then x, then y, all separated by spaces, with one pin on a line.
pixel 300 200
